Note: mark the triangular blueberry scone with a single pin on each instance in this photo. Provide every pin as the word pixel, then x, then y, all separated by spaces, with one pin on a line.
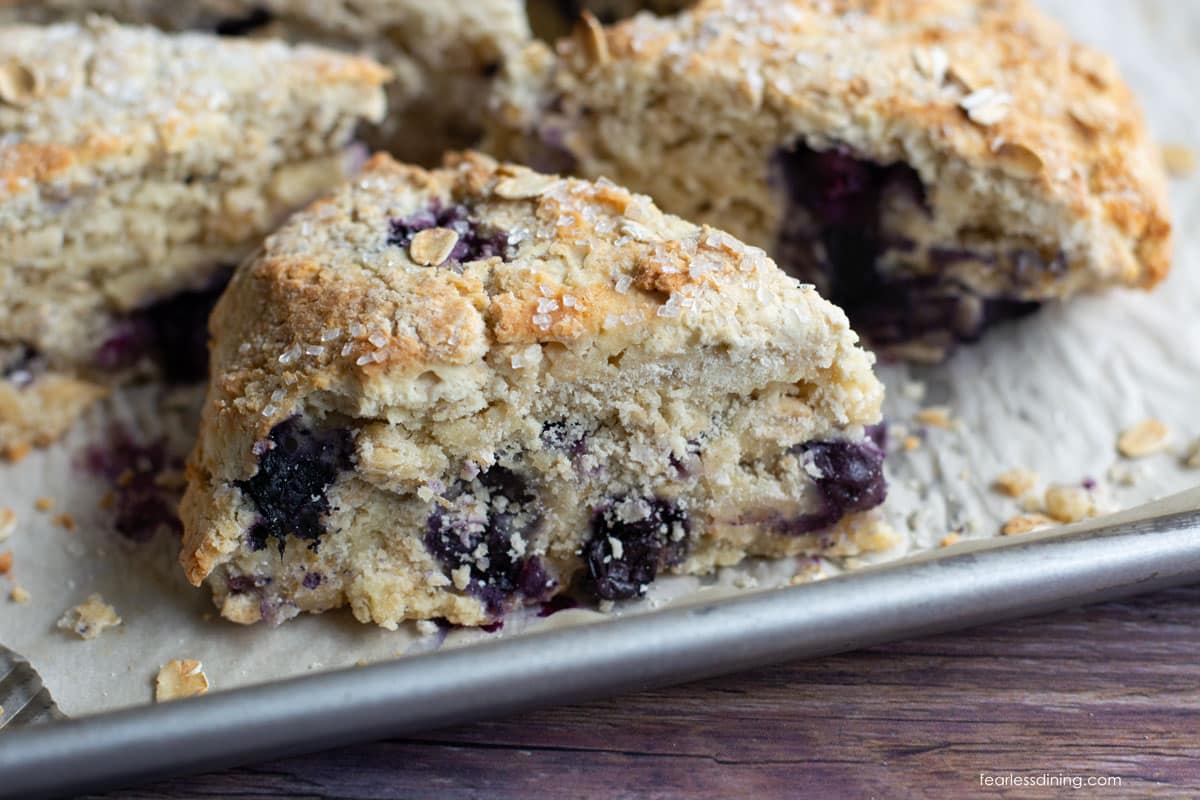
pixel 932 165
pixel 135 169
pixel 437 394
pixel 444 54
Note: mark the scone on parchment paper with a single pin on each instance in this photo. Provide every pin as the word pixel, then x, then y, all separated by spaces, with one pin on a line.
pixel 444 54
pixel 933 166
pixel 439 394
pixel 136 168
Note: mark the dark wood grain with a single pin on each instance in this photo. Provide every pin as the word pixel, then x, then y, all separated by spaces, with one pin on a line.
pixel 1110 690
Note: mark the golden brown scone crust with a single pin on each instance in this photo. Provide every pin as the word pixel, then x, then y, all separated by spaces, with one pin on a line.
pixel 605 312
pixel 135 165
pixel 1016 130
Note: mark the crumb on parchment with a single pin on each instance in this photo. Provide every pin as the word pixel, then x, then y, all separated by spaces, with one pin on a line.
pixel 949 539
pixel 1025 523
pixel 6 562
pixel 1145 438
pixel 90 618
pixel 8 523
pixel 935 417
pixel 19 595
pixel 1068 503
pixel 1015 482
pixel 43 503
pixel 178 678
pixel 65 521
pixel 1179 159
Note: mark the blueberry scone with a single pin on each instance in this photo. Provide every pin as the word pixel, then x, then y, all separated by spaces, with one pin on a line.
pixel 135 167
pixel 444 55
pixel 933 166
pixel 441 394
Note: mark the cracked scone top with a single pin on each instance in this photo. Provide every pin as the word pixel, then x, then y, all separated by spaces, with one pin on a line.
pixel 137 166
pixel 439 394
pixel 932 165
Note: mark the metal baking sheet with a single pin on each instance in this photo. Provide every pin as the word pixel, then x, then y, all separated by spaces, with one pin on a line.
pixel 1142 550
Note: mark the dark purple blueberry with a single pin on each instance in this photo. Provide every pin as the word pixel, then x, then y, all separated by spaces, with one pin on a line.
pixel 478 531
pixel 180 325
pixel 312 580
pixel 129 341
pixel 630 542
pixel 172 332
pixel 248 23
pixel 851 480
pixel 241 584
pixel 475 240
pixel 492 627
pixel 23 366
pixel 142 504
pixel 289 487
pixel 1089 484
pixel 833 236
pixel 560 602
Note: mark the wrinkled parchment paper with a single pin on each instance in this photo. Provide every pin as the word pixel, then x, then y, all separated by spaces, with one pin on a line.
pixel 1049 393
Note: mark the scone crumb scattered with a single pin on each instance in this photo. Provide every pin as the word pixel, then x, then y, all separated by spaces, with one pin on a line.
pixel 65 521
pixel 90 618
pixel 1146 438
pixel 1015 482
pixel 43 503
pixel 949 539
pixel 910 443
pixel 935 417
pixel 426 627
pixel 1128 475
pixel 1025 523
pixel 1068 503
pixel 180 678
pixel 6 562
pixel 811 570
pixel 19 595
pixel 8 523
pixel 913 390
pixel 1179 159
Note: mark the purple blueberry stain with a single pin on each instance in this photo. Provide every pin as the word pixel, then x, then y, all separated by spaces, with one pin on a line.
pixel 312 580
pixel 476 241
pixel 848 476
pixel 630 541
pixel 490 521
pixel 142 500
pixel 289 488
pixel 561 602
pixel 833 235
pixel 172 333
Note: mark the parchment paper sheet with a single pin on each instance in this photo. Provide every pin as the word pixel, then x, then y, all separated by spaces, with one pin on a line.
pixel 1048 393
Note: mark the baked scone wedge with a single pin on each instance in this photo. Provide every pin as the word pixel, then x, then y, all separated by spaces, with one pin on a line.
pixel 440 394
pixel 136 168
pixel 931 165
pixel 444 55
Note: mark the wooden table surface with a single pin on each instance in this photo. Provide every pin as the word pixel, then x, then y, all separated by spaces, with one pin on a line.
pixel 1106 691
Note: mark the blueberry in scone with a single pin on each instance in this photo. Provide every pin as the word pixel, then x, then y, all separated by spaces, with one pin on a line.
pixel 933 166
pixel 135 168
pixel 445 393
pixel 444 54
